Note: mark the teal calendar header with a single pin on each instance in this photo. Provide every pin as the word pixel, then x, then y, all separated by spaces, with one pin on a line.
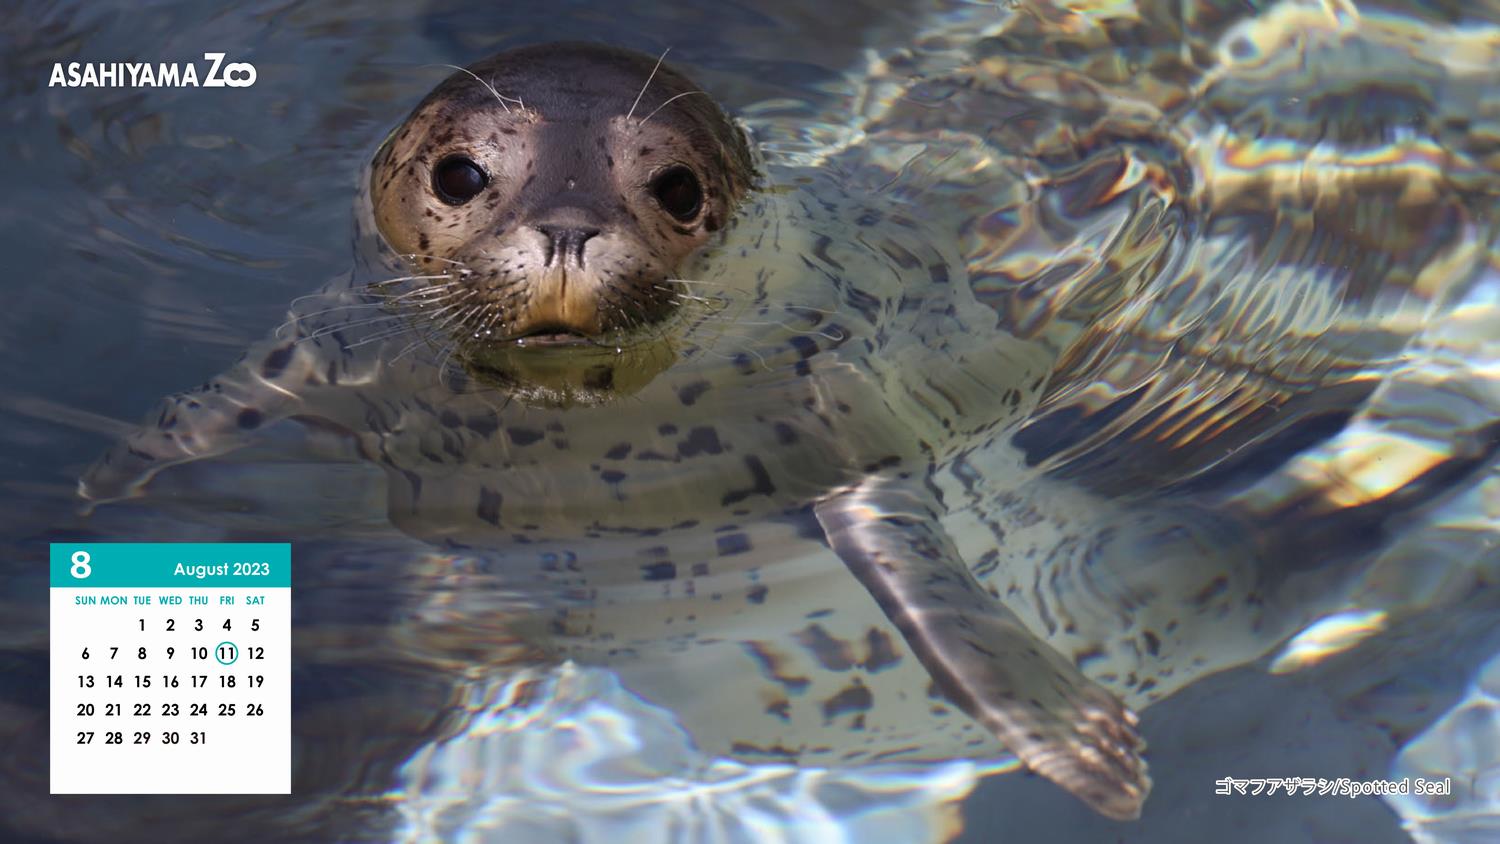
pixel 171 564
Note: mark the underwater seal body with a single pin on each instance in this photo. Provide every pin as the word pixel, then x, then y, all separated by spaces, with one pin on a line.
pixel 552 214
pixel 589 342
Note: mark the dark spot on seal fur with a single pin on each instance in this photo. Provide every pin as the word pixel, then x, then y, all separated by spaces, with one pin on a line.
pixel 523 436
pixel 692 392
pixel 1215 587
pixel 666 570
pixel 904 259
pixel 1087 655
pixel 744 748
pixel 785 434
pixel 771 667
pixel 806 348
pixel 854 698
pixel 882 654
pixel 249 418
pixel 761 483
pixel 820 251
pixel 700 440
pixel 832 653
pixel 483 424
pixel 276 361
pixel 733 543
pixel 489 505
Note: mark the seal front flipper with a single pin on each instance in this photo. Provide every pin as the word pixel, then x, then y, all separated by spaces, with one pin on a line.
pixel 980 655
pixel 222 415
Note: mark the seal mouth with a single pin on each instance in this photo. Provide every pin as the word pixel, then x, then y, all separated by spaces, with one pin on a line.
pixel 559 369
pixel 552 336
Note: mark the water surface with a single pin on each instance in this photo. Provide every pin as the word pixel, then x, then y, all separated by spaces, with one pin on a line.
pixel 1342 159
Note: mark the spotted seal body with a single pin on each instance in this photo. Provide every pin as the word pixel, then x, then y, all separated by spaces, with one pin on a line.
pixel 682 412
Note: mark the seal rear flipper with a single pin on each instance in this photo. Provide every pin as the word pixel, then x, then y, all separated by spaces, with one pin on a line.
pixel 1058 722
pixel 221 416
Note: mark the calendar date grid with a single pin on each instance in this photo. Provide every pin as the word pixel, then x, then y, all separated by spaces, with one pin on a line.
pixel 201 680
pixel 170 668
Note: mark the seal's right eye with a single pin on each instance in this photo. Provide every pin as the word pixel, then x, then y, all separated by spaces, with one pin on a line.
pixel 457 179
pixel 678 192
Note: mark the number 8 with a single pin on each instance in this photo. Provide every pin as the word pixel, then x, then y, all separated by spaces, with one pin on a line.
pixel 81 568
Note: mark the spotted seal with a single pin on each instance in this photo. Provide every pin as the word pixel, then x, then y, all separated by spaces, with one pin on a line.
pixel 591 339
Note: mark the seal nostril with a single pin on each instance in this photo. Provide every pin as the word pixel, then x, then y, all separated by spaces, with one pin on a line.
pixel 565 241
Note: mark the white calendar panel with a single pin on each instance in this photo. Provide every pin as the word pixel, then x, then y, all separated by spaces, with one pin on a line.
pixel 171 668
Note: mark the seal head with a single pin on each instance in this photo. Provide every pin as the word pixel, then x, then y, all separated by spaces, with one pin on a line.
pixel 551 193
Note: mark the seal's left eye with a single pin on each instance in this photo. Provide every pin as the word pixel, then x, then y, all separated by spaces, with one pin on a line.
pixel 457 179
pixel 678 192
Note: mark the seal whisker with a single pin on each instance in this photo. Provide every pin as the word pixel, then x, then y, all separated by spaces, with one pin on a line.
pixel 738 287
pixel 462 320
pixel 299 317
pixel 432 317
pixel 750 350
pixel 447 359
pixel 426 290
pixel 500 98
pixel 319 295
pixel 449 322
pixel 378 337
pixel 634 321
pixel 669 101
pixel 488 327
pixel 802 331
pixel 410 346
pixel 408 278
pixel 332 330
pixel 421 298
pixel 324 332
pixel 652 76
pixel 410 256
pixel 688 297
pixel 433 291
pixel 641 318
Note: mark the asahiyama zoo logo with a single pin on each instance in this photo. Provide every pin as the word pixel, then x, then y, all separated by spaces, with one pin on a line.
pixel 147 75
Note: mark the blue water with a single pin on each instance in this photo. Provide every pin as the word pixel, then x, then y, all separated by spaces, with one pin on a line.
pixel 153 234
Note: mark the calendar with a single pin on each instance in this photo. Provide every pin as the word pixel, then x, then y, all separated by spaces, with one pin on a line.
pixel 171 668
